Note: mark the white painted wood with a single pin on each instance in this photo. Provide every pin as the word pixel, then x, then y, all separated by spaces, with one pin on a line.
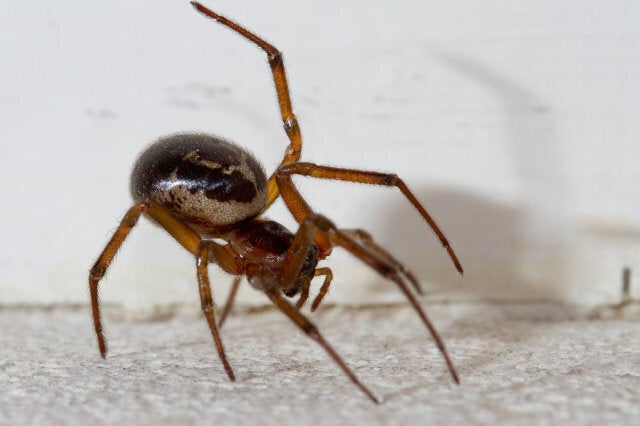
pixel 516 123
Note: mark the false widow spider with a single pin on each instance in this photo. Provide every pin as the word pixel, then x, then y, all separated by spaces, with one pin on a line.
pixel 203 189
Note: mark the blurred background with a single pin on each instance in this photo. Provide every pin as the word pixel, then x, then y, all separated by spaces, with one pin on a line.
pixel 515 123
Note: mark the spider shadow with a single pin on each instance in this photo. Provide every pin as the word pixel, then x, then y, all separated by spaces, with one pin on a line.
pixel 488 239
pixel 512 252
pixel 500 245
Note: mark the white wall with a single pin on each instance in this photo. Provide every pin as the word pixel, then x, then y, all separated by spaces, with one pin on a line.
pixel 516 123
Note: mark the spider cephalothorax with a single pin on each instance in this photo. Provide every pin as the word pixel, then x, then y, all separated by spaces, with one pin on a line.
pixel 209 193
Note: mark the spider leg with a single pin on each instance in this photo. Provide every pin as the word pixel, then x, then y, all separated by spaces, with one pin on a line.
pixel 304 294
pixel 387 270
pixel 365 239
pixel 295 258
pixel 331 235
pixel 297 253
pixel 181 232
pixel 229 303
pixel 300 209
pixel 271 288
pixel 102 264
pixel 289 120
pixel 206 300
pixel 328 276
pixel 205 251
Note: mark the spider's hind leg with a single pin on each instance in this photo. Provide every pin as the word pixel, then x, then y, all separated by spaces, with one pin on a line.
pixel 329 235
pixel 365 239
pixel 385 267
pixel 206 251
pixel 230 299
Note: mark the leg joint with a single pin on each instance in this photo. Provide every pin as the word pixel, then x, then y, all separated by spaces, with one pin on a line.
pixel 275 58
pixel 291 126
pixel 391 180
pixel 300 168
pixel 321 222
pixel 207 306
pixel 97 272
pixel 311 330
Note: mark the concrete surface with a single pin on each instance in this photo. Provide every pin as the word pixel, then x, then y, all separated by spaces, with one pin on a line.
pixel 519 364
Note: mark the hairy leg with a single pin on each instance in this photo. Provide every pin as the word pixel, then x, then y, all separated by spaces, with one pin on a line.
pixel 102 264
pixel 269 283
pixel 365 239
pixel 300 209
pixel 289 120
pixel 206 301
pixel 230 299
pixel 328 276
pixel 387 270
pixel 330 235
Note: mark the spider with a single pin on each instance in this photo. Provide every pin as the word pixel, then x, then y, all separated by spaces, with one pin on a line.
pixel 203 189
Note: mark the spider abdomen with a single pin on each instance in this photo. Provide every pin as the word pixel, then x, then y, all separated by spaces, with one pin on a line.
pixel 206 181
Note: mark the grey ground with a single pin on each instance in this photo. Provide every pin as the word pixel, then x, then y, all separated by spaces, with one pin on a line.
pixel 519 364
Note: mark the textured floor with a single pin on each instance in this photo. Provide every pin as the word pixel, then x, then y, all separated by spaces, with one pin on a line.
pixel 519 364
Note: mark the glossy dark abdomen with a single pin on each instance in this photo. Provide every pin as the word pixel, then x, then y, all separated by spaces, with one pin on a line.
pixel 204 180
